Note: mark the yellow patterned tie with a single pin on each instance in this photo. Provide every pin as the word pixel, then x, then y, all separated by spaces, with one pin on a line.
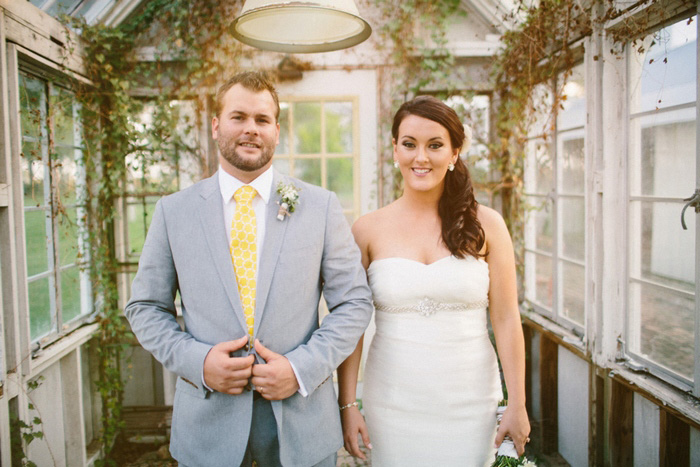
pixel 244 251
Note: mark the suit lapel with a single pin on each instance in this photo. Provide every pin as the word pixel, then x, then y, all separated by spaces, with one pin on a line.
pixel 274 236
pixel 212 218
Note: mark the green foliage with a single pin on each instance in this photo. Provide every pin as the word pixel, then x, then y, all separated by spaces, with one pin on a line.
pixel 187 62
pixel 536 52
pixel 23 433
pixel 421 62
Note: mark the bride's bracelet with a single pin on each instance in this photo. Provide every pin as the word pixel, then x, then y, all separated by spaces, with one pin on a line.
pixel 351 404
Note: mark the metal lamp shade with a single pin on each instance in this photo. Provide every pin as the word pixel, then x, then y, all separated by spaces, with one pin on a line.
pixel 300 27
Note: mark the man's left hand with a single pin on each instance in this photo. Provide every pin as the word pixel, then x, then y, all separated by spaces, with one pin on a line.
pixel 275 379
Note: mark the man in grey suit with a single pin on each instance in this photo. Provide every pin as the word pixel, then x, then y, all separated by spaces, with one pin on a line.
pixel 254 365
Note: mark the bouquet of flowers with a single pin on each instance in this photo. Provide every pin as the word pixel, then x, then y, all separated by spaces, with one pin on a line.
pixel 507 456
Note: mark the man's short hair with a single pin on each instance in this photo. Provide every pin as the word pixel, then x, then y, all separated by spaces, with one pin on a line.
pixel 257 81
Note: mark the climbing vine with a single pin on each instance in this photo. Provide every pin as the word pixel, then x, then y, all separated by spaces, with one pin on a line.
pixel 414 41
pixel 136 67
pixel 183 67
pixel 542 50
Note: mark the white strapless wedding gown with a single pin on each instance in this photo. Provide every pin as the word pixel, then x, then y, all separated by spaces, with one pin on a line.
pixel 431 382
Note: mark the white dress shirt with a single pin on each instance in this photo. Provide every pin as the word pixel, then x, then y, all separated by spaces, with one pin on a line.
pixel 228 185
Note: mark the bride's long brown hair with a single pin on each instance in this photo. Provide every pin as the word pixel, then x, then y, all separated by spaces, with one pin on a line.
pixel 461 230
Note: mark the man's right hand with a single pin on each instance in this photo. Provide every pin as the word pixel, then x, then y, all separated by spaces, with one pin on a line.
pixel 227 374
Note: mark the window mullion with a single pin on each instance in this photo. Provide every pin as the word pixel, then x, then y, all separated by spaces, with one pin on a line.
pixel 53 207
pixel 696 374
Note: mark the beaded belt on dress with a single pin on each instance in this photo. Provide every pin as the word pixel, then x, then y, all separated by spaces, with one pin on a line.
pixel 428 306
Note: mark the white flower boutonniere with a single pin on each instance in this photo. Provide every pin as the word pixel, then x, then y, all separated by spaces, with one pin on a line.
pixel 289 201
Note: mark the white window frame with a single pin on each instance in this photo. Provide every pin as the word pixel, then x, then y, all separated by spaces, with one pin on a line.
pixel 290 156
pixel 552 141
pixel 25 61
pixel 632 359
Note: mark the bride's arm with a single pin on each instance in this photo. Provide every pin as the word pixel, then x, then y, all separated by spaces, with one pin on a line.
pixel 353 422
pixel 507 328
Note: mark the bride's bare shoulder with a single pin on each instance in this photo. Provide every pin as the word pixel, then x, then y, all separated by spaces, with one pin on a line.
pixel 373 222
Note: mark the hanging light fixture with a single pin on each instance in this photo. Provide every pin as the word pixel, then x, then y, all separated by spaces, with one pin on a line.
pixel 300 26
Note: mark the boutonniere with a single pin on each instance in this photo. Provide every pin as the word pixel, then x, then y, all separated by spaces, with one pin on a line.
pixel 290 198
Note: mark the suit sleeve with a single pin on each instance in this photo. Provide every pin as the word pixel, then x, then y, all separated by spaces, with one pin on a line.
pixel 151 309
pixel 349 301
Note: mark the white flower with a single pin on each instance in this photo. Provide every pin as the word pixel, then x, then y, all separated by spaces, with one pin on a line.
pixel 289 200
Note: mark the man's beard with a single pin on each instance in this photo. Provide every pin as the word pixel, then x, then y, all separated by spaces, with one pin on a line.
pixel 228 150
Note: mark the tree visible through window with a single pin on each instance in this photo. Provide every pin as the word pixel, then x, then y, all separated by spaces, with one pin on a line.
pixel 318 145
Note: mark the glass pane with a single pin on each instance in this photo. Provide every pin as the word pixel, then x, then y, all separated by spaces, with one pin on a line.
pixel 473 111
pixel 663 153
pixel 660 250
pixel 70 293
pixel 39 308
pixel 308 170
pixel 37 242
pixel 544 283
pixel 350 217
pixel 539 177
pixel 340 180
pixel 338 127
pixel 66 175
pixel 571 161
pixel 573 227
pixel 307 127
pixel 573 112
pixel 541 117
pixel 68 236
pixel 34 174
pixel 283 147
pixel 664 72
pixel 665 327
pixel 61 107
pixel 544 228
pixel 32 103
pixel 139 213
pixel 573 288
pixel 62 7
pixel 281 164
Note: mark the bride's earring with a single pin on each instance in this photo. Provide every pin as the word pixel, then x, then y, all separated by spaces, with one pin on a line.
pixel 451 166
pixel 396 164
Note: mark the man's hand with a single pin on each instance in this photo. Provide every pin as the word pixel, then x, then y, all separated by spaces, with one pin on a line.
pixel 227 374
pixel 275 379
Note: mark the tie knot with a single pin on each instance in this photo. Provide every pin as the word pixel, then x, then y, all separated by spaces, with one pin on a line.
pixel 244 194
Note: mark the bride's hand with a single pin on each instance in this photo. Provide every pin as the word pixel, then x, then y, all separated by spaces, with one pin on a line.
pixel 354 423
pixel 515 424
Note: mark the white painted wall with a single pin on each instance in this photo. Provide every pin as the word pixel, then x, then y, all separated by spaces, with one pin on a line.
pixel 572 380
pixel 646 432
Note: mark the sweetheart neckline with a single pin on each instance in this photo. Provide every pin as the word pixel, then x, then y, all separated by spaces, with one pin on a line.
pixel 410 260
pixel 419 263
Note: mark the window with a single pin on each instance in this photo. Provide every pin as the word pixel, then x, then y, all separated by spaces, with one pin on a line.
pixel 474 112
pixel 53 176
pixel 662 171
pixel 319 144
pixel 167 161
pixel 554 192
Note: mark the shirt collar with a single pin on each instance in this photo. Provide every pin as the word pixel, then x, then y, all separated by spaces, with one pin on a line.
pixel 228 184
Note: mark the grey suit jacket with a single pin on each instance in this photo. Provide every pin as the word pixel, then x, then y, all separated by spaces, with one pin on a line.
pixel 310 252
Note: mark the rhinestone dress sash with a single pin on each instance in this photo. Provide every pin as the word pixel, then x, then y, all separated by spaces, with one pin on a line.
pixel 428 306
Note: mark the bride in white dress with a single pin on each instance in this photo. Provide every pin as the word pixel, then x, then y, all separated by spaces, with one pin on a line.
pixel 435 261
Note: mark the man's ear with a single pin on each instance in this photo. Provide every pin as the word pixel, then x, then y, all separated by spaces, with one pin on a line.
pixel 215 127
